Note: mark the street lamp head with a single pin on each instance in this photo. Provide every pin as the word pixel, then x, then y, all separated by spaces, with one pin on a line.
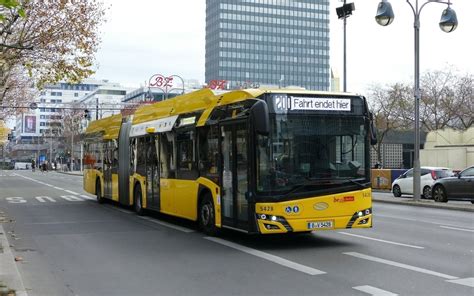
pixel 345 10
pixel 449 21
pixel 384 16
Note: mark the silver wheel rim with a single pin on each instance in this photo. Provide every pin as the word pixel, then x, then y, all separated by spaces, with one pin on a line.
pixel 397 191
pixel 438 194
pixel 426 192
pixel 139 202
pixel 206 214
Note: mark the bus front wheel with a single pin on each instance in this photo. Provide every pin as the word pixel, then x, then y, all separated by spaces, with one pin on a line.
pixel 137 204
pixel 207 216
pixel 98 192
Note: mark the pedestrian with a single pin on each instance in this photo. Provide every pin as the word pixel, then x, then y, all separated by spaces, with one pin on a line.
pixel 33 165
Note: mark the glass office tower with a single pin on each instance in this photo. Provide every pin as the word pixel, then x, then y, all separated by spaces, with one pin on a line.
pixel 268 42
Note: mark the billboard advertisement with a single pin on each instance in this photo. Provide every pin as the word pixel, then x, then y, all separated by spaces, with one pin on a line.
pixel 30 124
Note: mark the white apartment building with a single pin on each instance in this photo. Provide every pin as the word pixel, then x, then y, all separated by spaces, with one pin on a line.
pixel 38 132
pixel 105 100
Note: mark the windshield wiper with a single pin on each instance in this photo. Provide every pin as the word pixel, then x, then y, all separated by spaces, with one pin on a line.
pixel 311 182
pixel 355 181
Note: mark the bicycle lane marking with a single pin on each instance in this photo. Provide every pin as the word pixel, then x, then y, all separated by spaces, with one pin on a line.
pixel 82 196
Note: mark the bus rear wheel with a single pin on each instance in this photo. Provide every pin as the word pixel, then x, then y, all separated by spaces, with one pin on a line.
pixel 207 216
pixel 137 202
pixel 98 192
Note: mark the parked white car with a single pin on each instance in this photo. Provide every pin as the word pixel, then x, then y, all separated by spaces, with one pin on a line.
pixel 404 183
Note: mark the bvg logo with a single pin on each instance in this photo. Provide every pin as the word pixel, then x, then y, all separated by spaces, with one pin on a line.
pixel 344 199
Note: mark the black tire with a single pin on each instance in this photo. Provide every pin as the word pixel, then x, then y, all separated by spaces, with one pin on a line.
pixel 137 201
pixel 397 192
pixel 98 192
pixel 427 192
pixel 439 194
pixel 207 216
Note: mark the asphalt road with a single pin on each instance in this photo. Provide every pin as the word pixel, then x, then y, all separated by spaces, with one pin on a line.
pixel 71 245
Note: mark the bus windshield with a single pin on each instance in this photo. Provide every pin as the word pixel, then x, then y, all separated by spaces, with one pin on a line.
pixel 306 152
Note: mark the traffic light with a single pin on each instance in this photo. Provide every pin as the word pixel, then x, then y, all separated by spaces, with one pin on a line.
pixel 10 137
pixel 87 114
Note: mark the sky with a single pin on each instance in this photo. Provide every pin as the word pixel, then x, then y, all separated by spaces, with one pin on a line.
pixel 145 37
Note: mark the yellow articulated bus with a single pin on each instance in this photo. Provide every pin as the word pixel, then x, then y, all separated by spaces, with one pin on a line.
pixel 257 161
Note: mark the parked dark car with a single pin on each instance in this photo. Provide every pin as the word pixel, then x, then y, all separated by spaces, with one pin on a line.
pixel 459 187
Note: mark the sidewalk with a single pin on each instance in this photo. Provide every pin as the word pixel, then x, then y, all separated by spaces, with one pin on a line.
pixel 428 203
pixel 9 274
pixel 74 173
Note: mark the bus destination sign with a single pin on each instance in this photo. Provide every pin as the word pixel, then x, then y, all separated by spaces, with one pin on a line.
pixel 287 103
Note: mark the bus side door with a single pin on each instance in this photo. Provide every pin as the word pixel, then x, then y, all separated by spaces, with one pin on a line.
pixel 152 173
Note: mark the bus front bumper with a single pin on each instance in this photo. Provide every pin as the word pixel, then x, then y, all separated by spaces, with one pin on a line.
pixel 268 224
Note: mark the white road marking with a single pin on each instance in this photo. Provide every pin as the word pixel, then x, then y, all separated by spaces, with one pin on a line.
pixel 15 199
pixel 381 240
pixel 71 198
pixel 44 198
pixel 466 282
pixel 456 228
pixel 269 257
pixel 67 197
pixel 401 265
pixel 374 291
pixel 175 227
pixel 415 220
pixel 69 222
pixel 87 197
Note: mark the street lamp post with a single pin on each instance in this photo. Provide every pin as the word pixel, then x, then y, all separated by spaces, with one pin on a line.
pixel 448 23
pixel 344 12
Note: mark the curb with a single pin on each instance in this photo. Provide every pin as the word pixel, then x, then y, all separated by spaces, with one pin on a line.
pixel 70 173
pixel 426 204
pixel 9 273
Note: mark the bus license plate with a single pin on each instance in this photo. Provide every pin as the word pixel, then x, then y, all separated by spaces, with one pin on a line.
pixel 320 225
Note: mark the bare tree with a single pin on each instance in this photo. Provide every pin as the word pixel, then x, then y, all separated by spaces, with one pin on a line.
pixel 49 41
pixel 388 105
pixel 17 93
pixel 464 103
pixel 438 99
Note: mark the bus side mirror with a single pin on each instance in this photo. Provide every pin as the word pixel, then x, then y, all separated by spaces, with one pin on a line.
pixel 260 117
pixel 373 130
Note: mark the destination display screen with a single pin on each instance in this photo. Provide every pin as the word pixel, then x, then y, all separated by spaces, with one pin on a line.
pixel 289 103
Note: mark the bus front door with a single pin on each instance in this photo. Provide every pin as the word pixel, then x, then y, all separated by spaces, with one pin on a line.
pixel 234 149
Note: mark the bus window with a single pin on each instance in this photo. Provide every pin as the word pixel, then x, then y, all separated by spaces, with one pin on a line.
pixel 133 156
pixel 185 154
pixel 141 156
pixel 209 152
pixel 167 164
